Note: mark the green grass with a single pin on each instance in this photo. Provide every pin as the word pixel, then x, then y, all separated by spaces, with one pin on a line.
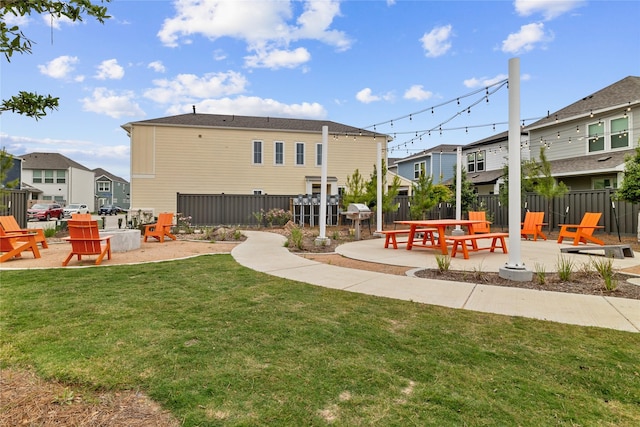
pixel 218 344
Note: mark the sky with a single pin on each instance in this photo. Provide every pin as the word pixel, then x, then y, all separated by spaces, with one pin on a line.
pixel 402 68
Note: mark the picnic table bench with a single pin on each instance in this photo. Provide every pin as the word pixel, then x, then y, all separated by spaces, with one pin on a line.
pixel 461 241
pixel 391 236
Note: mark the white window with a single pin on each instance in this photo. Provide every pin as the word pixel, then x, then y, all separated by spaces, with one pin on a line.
pixel 419 169
pixel 620 133
pixel 318 154
pixel 596 137
pixel 61 177
pixel 299 153
pixel 37 177
pixel 48 177
pixel 475 161
pixel 278 153
pixel 104 186
pixel 257 192
pixel 257 152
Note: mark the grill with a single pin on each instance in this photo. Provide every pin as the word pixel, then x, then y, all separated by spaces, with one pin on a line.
pixel 357 212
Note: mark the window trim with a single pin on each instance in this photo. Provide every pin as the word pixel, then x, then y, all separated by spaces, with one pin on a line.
pixel 103 190
pixel 319 154
pixel 418 168
pixel 254 152
pixel 275 153
pixel 299 145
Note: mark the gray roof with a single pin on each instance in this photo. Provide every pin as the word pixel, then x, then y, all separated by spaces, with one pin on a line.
pixel 623 92
pixel 254 122
pixel 114 178
pixel 602 162
pixel 47 161
pixel 442 148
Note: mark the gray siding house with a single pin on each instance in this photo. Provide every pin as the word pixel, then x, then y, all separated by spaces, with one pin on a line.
pixel 586 142
pixel 111 189
pixel 484 161
pixel 437 162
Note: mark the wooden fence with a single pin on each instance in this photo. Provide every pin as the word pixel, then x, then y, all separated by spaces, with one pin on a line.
pixel 228 209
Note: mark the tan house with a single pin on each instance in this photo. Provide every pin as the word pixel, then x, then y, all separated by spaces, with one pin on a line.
pixel 215 154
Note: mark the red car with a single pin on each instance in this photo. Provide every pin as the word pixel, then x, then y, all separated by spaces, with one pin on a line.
pixel 45 211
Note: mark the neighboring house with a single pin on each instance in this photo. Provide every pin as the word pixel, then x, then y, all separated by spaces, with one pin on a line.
pixel 484 161
pixel 587 141
pixel 13 174
pixel 111 190
pixel 437 162
pixel 59 179
pixel 214 154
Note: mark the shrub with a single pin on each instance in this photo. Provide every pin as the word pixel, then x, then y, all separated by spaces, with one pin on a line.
pixel 297 238
pixel 541 274
pixel 277 217
pixel 604 268
pixel 444 262
pixel 565 268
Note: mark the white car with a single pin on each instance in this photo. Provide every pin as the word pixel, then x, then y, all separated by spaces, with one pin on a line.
pixel 75 208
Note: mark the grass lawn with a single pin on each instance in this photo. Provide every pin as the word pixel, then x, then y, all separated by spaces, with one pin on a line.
pixel 219 344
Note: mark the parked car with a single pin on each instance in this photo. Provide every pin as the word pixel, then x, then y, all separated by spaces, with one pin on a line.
pixel 110 210
pixel 45 211
pixel 75 208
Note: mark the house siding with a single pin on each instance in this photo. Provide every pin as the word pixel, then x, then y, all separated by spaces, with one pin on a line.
pixel 182 159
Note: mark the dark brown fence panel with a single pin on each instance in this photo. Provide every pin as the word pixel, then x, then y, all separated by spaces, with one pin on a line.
pixel 14 202
pixel 232 209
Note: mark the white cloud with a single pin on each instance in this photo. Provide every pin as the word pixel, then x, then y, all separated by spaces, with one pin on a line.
pixel 157 66
pixel 265 26
pixel 277 58
pixel 112 104
pixel 437 41
pixel 55 22
pixel 365 96
pixel 20 20
pixel 476 82
pixel 189 87
pixel 549 9
pixel 109 69
pixel 253 106
pixel 219 55
pixel 60 67
pixel 526 39
pixel 417 93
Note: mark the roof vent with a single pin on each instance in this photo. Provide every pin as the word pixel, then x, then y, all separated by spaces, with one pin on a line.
pixel 604 159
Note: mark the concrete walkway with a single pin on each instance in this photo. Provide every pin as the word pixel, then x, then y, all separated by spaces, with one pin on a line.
pixel 265 252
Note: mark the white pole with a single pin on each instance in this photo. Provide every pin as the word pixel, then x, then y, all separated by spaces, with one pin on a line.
pixel 323 182
pixel 514 269
pixel 459 184
pixel 514 164
pixel 379 189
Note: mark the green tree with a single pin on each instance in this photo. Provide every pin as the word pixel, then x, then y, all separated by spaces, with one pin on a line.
pixel 468 196
pixel 389 192
pixel 13 40
pixel 426 195
pixel 526 184
pixel 630 187
pixel 6 163
pixel 355 191
pixel 545 184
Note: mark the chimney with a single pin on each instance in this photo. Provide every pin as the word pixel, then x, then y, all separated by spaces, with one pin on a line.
pixel 194 109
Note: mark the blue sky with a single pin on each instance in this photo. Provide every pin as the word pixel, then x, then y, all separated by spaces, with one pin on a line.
pixel 361 63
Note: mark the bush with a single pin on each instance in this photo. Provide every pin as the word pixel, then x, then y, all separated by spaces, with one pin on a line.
pixel 277 217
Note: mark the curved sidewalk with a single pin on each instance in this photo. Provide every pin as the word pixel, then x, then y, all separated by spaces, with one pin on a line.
pixel 265 252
